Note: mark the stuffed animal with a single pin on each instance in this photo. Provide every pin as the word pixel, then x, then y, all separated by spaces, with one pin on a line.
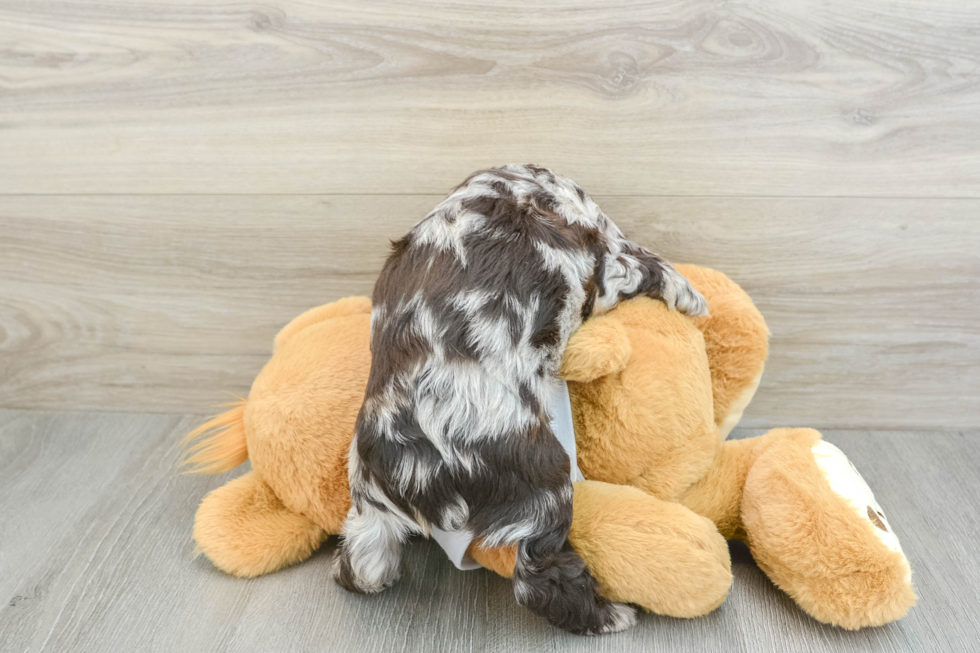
pixel 654 395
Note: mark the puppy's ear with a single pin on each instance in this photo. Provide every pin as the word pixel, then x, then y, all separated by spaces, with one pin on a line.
pixel 601 346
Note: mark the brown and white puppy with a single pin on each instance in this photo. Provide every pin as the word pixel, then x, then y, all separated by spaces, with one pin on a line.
pixel 471 315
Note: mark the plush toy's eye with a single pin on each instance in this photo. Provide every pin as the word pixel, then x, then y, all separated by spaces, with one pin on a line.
pixel 876 520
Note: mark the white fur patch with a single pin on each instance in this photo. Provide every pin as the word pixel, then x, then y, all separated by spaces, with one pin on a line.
pixel 624 616
pixel 845 480
pixel 374 541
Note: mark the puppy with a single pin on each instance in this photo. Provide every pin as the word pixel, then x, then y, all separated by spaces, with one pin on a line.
pixel 471 314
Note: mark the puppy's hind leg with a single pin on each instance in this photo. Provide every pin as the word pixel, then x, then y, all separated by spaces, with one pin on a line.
pixel 550 578
pixel 369 557
pixel 553 581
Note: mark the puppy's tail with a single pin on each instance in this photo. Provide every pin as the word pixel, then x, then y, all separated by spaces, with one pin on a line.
pixel 218 445
pixel 559 587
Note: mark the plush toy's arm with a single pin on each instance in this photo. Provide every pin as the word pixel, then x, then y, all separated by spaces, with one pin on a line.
pixel 601 346
pixel 340 308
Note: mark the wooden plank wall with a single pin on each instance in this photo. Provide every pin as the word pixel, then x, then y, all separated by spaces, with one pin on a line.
pixel 178 179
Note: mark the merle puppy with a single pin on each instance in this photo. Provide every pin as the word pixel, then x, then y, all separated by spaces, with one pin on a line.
pixel 471 315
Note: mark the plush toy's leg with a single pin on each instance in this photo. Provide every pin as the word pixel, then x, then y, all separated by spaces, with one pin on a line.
pixel 246 531
pixel 815 528
pixel 656 554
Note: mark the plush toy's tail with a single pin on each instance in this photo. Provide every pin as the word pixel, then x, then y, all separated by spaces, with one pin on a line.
pixel 218 445
pixel 242 526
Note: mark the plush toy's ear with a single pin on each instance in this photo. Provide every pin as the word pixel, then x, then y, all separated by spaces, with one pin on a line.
pixel 601 346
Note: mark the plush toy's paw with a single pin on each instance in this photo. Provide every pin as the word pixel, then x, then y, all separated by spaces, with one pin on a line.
pixel 680 294
pixel 847 482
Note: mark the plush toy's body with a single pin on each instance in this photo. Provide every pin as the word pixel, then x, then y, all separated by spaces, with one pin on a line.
pixel 654 394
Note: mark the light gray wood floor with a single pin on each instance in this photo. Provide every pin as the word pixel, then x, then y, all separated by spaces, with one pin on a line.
pixel 96 555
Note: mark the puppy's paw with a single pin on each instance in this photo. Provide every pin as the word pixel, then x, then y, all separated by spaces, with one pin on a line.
pixel 344 575
pixel 620 617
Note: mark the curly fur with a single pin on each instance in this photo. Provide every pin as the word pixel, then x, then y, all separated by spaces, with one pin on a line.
pixel 470 317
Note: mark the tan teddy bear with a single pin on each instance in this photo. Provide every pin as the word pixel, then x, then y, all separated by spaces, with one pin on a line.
pixel 654 395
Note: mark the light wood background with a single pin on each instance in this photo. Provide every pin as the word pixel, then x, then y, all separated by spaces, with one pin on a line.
pixel 178 179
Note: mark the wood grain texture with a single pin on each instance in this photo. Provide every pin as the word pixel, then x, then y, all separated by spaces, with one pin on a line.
pixel 170 303
pixel 700 97
pixel 96 555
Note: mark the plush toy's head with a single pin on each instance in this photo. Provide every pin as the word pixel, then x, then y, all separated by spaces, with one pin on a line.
pixel 649 408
